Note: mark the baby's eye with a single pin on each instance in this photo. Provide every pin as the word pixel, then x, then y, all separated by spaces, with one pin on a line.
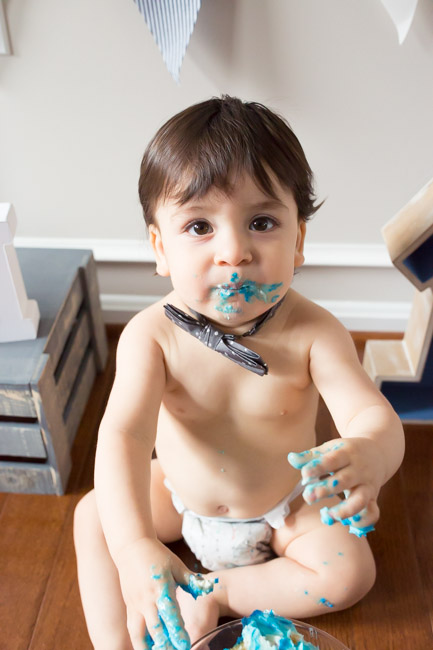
pixel 262 224
pixel 199 228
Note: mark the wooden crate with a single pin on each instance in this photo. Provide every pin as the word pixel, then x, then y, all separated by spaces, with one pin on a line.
pixel 403 370
pixel 45 383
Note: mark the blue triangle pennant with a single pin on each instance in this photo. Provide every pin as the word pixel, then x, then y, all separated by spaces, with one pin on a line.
pixel 171 23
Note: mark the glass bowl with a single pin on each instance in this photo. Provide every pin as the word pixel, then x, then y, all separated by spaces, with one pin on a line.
pixel 225 636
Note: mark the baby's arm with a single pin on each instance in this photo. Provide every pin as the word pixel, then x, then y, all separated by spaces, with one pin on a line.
pixel 148 571
pixel 373 445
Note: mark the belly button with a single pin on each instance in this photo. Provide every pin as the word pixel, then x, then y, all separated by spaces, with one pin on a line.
pixel 222 510
pixel 284 412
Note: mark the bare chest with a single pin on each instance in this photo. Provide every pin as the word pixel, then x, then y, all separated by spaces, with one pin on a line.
pixel 203 384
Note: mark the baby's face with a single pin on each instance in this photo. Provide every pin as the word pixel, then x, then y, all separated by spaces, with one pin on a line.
pixel 230 257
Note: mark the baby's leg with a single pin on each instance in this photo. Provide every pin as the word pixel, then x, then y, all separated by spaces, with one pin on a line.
pixel 200 615
pixel 98 579
pixel 320 569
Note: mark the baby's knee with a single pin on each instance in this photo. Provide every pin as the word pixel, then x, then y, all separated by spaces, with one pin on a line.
pixel 355 581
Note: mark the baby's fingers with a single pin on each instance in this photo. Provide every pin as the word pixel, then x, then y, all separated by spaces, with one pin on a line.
pixel 363 522
pixel 171 620
pixel 153 635
pixel 359 521
pixel 333 484
pixel 299 459
pixel 357 500
pixel 140 638
pixel 319 460
pixel 316 490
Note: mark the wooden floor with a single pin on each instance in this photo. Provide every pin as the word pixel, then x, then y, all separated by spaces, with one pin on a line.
pixel 39 601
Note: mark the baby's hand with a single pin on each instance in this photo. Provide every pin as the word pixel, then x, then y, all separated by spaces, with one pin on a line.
pixel 352 466
pixel 149 574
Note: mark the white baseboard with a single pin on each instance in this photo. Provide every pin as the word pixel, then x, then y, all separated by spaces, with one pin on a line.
pixel 368 316
pixel 355 315
pixel 104 250
pixel 135 250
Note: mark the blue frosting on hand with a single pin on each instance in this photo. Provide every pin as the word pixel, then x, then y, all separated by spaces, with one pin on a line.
pixel 198 585
pixel 147 641
pixel 329 519
pixel 325 517
pixel 173 630
pixel 361 531
pixel 161 638
pixel 298 460
pixel 169 633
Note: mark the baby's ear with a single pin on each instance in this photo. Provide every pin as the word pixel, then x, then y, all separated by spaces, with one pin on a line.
pixel 158 248
pixel 300 239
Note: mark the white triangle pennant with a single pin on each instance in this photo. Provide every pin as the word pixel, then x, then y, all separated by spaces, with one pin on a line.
pixel 401 13
pixel 171 23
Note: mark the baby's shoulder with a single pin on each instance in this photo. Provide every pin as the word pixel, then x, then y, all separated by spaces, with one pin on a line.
pixel 145 330
pixel 305 312
pixel 313 320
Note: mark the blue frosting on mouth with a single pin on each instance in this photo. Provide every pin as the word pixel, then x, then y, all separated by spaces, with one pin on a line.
pixel 248 289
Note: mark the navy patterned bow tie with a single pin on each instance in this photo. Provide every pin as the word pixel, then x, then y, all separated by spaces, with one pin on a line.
pixel 226 344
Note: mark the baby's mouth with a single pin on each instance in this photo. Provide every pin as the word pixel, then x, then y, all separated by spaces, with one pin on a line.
pixel 249 290
pixel 230 286
pixel 235 284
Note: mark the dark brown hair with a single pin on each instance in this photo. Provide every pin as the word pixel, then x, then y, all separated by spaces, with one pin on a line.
pixel 210 143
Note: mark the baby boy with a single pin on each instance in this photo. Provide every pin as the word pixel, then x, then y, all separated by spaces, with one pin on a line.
pixel 223 378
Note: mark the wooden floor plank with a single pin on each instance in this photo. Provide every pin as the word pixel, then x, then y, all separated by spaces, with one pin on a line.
pixel 60 622
pixel 30 529
pixel 417 478
pixel 3 497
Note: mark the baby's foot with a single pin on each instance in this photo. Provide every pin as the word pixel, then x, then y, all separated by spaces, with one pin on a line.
pixel 200 616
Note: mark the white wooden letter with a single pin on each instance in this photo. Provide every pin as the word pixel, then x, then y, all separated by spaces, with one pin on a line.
pixel 19 316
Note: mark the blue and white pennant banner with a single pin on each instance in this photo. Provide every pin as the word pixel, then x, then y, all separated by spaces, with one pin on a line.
pixel 171 23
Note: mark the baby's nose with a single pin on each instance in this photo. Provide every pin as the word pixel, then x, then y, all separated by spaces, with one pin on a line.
pixel 233 250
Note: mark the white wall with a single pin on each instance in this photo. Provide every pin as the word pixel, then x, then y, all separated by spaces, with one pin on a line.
pixel 86 88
